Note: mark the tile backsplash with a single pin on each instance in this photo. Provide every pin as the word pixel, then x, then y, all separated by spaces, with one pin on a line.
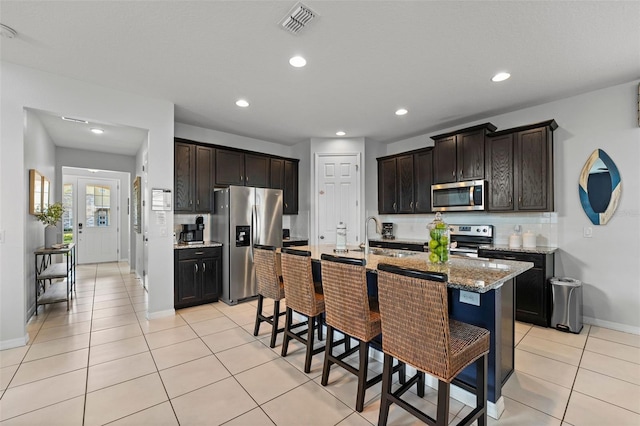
pixel 544 225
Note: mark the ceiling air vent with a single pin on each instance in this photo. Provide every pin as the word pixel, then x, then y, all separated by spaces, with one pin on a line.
pixel 297 18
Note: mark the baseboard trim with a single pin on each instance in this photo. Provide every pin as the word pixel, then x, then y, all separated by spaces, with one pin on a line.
pixel 625 328
pixel 161 314
pixel 14 343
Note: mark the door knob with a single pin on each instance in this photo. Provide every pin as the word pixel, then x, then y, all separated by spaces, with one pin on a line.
pixel 322 237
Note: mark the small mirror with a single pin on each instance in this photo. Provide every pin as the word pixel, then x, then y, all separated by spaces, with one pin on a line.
pixel 600 187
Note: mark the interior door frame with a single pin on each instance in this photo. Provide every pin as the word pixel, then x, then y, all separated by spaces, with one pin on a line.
pixel 316 160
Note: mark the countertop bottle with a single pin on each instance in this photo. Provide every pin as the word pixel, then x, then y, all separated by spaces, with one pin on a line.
pixel 439 240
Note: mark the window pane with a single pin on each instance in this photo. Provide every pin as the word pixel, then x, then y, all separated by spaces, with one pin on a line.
pixel 67 217
pixel 98 209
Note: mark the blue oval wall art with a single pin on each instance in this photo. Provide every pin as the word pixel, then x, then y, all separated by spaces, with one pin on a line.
pixel 600 187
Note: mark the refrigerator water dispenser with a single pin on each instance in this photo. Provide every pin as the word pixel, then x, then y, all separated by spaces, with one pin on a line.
pixel 243 236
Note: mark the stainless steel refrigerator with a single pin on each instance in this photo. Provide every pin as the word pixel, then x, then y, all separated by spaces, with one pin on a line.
pixel 244 216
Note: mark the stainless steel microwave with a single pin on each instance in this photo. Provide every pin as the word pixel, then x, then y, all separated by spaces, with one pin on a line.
pixel 458 196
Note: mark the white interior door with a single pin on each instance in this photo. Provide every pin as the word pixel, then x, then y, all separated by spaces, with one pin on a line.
pixel 98 220
pixel 337 196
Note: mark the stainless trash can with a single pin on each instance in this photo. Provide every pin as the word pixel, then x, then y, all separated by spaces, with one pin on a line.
pixel 567 304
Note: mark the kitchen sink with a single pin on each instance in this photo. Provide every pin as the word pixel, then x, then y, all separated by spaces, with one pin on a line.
pixel 391 253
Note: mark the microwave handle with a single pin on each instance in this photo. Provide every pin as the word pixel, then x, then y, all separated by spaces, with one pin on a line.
pixel 471 203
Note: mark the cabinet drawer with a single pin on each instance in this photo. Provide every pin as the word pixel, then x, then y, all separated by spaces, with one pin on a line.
pixel 536 259
pixel 199 252
pixel 396 246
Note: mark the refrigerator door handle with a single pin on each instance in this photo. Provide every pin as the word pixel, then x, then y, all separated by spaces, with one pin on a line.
pixel 256 230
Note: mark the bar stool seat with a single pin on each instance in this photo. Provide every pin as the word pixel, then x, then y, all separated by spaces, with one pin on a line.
pixel 270 285
pixel 350 311
pixel 304 297
pixel 416 329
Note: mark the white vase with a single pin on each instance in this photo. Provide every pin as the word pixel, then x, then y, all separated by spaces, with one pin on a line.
pixel 50 235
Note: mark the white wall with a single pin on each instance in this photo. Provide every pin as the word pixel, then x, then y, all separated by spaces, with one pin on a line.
pixel 607 263
pixel 39 154
pixel 214 137
pixel 24 87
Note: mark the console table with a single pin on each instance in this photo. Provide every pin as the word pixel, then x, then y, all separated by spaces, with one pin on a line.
pixel 47 270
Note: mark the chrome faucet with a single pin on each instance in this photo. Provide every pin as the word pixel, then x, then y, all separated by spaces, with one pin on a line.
pixel 366 232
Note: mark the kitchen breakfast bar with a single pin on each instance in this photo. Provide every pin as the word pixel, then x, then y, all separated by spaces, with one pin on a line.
pixel 481 292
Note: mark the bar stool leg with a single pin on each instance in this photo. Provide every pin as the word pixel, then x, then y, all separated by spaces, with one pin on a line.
pixel 287 330
pixel 362 375
pixel 442 417
pixel 276 316
pixel 385 402
pixel 328 348
pixel 481 388
pixel 309 355
pixel 256 329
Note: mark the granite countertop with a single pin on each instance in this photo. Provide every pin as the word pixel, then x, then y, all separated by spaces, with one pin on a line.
pixel 401 240
pixel 205 244
pixel 296 239
pixel 505 247
pixel 465 273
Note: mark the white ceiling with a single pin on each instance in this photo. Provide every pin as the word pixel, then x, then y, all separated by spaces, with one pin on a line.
pixel 365 59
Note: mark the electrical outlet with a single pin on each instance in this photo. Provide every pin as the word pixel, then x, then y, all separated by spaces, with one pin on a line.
pixel 587 232
pixel 469 298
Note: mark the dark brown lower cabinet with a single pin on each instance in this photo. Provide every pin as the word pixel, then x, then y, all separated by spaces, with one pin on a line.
pixel 197 276
pixel 396 245
pixel 533 290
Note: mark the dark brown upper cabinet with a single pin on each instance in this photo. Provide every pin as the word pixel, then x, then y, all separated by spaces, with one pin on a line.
pixel 284 175
pixel 193 177
pixel 239 168
pixel 404 183
pixel 229 168
pixel 459 155
pixel 519 165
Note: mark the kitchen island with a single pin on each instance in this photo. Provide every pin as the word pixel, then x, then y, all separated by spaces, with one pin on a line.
pixel 480 293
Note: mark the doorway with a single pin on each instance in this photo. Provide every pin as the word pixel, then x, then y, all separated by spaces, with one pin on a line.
pixel 337 196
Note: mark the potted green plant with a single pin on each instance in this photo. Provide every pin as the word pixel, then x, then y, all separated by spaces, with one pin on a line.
pixel 51 217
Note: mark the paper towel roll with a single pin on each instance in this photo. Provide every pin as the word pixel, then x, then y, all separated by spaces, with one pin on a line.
pixel 529 240
pixel 515 241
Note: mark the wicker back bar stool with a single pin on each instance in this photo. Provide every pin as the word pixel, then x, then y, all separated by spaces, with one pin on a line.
pixel 350 311
pixel 303 296
pixel 416 329
pixel 269 280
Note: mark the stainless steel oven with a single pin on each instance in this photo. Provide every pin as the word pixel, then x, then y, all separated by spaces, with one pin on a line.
pixel 458 196
pixel 466 239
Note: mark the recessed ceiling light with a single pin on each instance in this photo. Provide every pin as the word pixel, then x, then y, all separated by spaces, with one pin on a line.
pixel 298 61
pixel 75 120
pixel 340 133
pixel 501 76
pixel 97 131
pixel 401 111
pixel 242 103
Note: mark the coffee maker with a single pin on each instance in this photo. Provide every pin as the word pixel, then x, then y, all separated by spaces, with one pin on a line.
pixel 387 231
pixel 192 233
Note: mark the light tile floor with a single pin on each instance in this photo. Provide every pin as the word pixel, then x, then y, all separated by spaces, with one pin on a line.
pixel 104 362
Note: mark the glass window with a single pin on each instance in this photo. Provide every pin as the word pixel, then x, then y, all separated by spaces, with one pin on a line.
pixel 67 217
pixel 98 205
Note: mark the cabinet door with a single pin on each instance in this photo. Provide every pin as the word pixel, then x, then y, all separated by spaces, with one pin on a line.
pixel 184 169
pixel 290 190
pixel 499 168
pixel 387 188
pixel 423 170
pixel 404 164
pixel 277 173
pixel 531 171
pixel 204 178
pixel 187 289
pixel 229 167
pixel 530 297
pixel 211 278
pixel 444 160
pixel 470 155
pixel 256 170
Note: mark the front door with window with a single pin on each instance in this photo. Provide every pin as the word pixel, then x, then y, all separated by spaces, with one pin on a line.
pixel 97 220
